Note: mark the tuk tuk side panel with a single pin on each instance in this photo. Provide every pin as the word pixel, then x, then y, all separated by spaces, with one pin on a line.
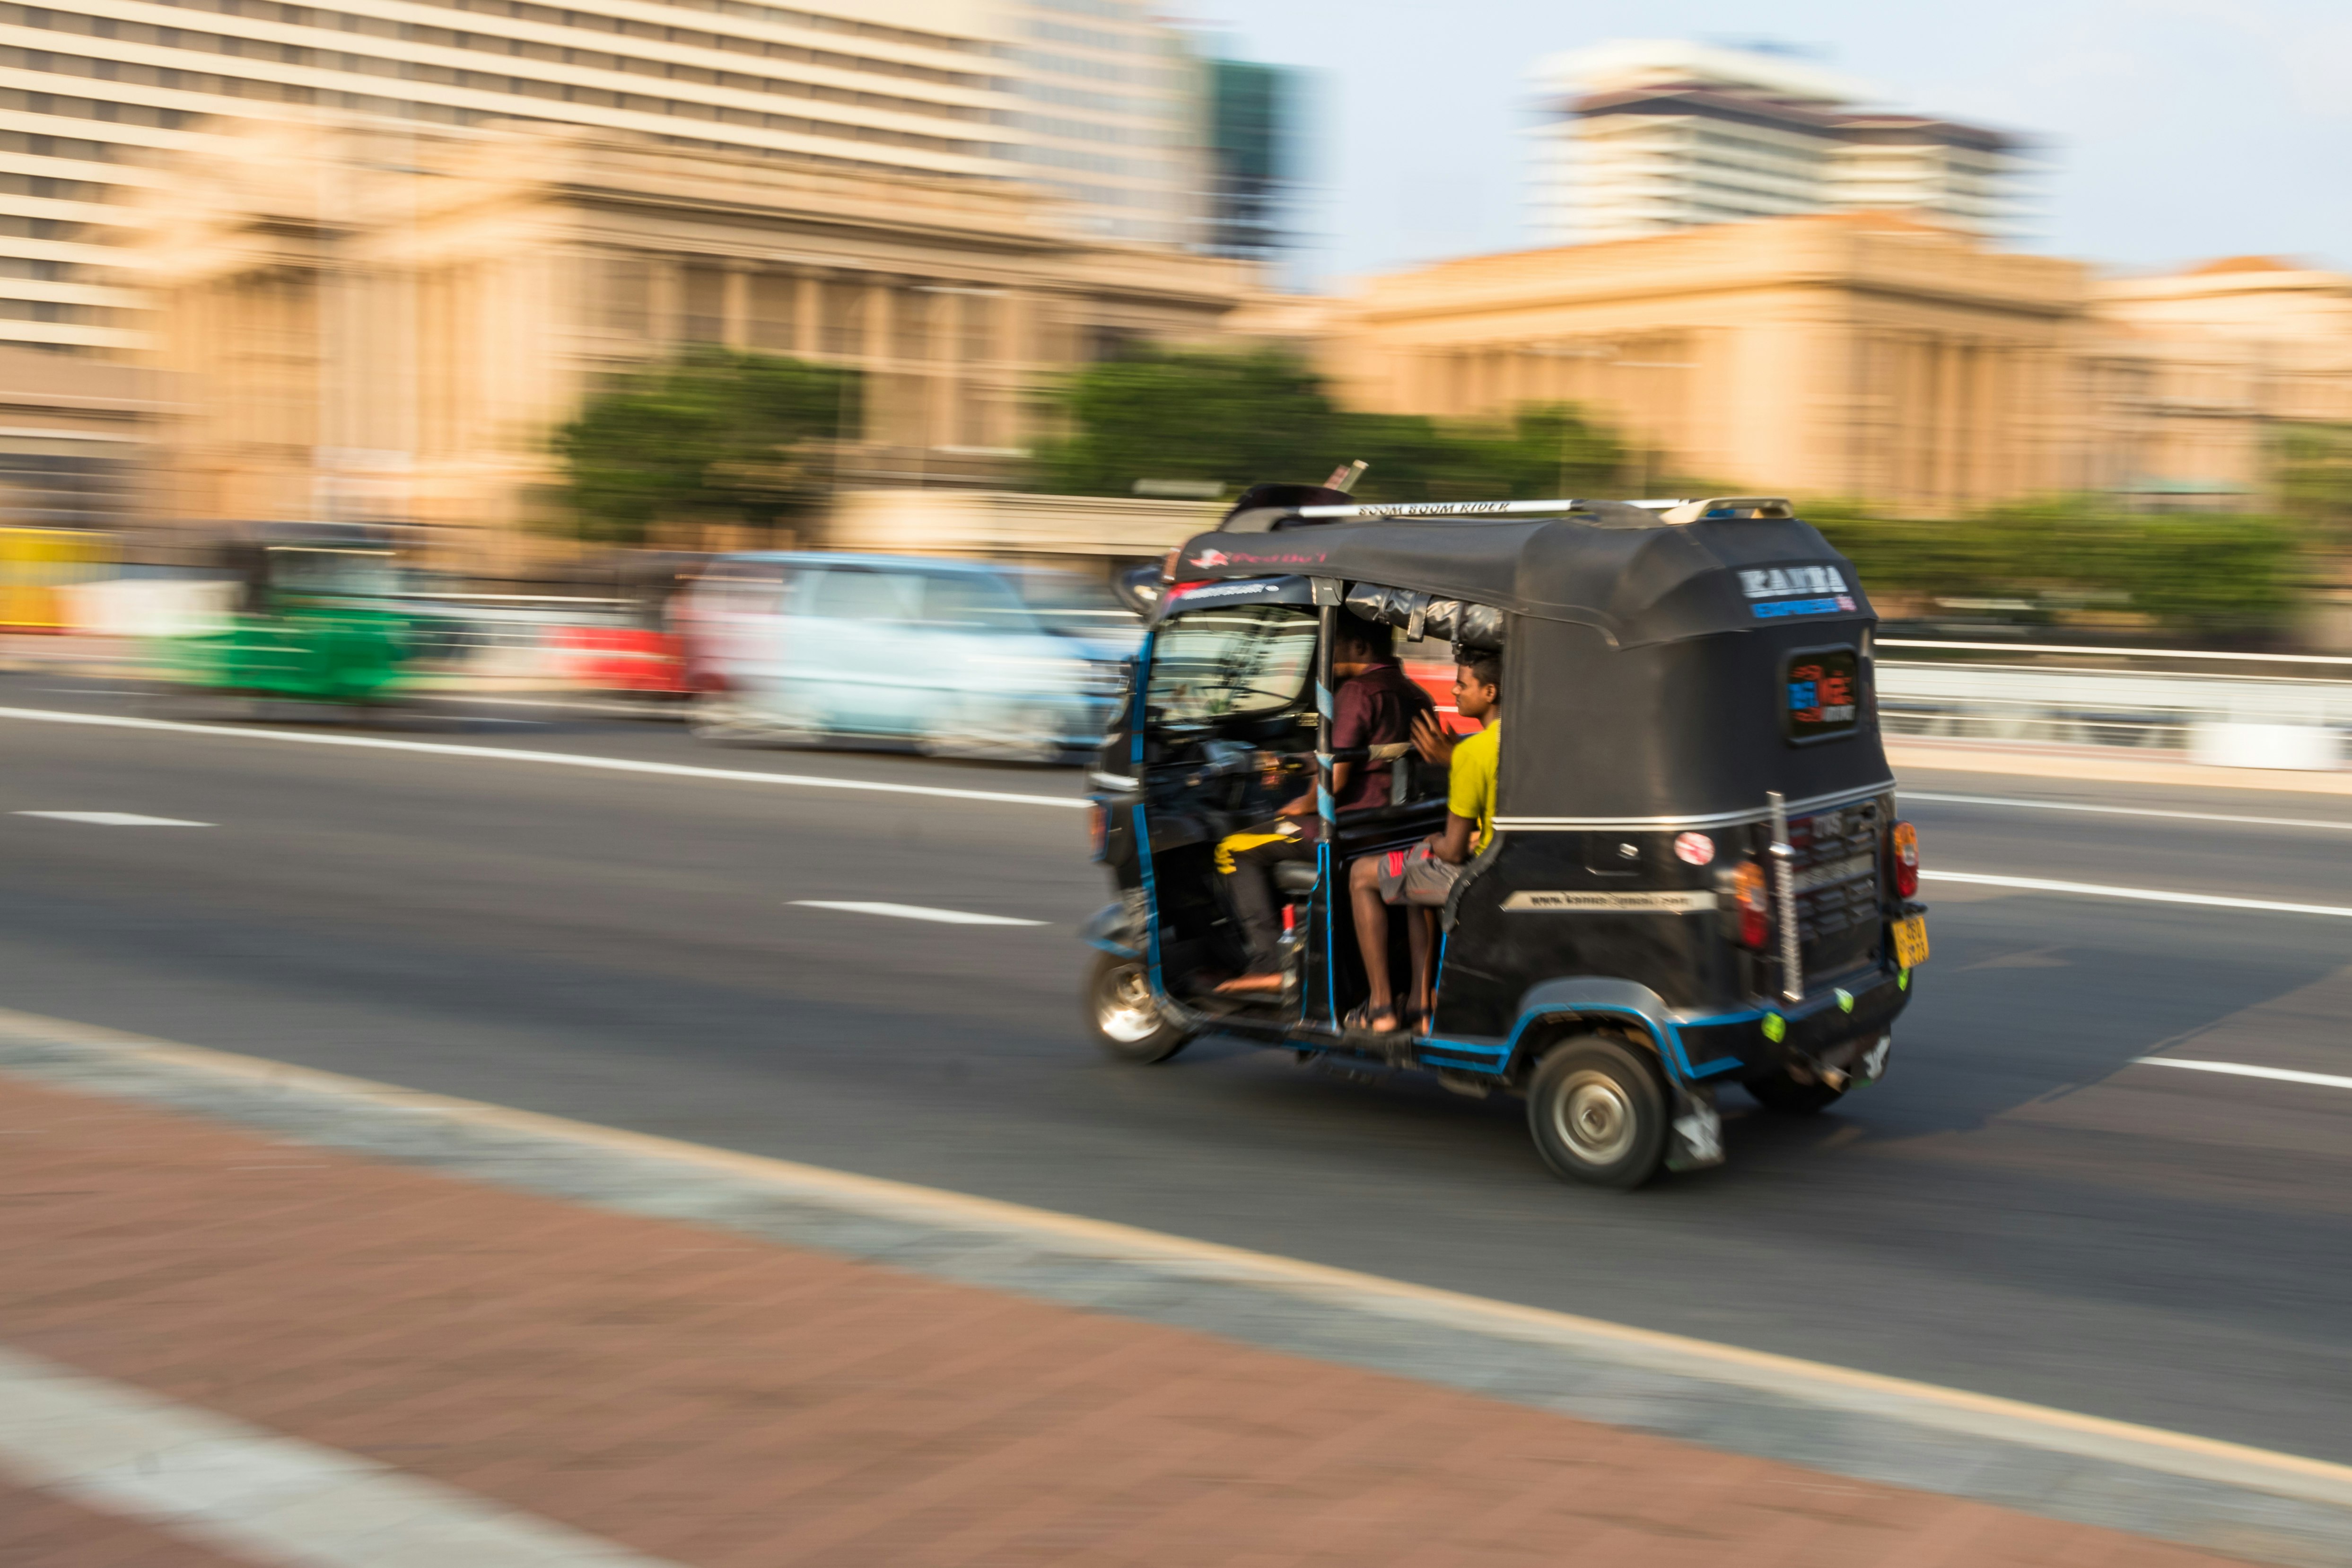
pixel 1516 927
pixel 1671 729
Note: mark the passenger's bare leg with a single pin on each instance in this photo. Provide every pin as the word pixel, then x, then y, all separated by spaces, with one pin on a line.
pixel 1371 932
pixel 1421 932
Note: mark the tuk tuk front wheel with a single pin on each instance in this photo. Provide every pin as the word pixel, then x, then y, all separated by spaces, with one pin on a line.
pixel 1125 1014
pixel 1598 1113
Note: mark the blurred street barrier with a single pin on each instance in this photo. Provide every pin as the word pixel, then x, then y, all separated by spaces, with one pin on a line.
pixel 147 606
pixel 2232 709
pixel 37 565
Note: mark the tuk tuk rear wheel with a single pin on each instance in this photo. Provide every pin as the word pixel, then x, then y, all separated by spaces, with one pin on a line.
pixel 1598 1113
pixel 1125 1014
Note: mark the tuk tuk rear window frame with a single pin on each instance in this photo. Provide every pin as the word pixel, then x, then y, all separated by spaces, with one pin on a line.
pixel 1821 735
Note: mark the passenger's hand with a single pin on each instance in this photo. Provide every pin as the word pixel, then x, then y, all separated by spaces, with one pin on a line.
pixel 1303 806
pixel 1430 739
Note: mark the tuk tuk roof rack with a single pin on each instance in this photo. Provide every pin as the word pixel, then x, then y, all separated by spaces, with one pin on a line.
pixel 1713 509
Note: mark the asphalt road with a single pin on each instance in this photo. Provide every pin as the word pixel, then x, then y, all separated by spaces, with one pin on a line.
pixel 2020 1209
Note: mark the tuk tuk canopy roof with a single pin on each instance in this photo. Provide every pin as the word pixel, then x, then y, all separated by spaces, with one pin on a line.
pixel 1625 571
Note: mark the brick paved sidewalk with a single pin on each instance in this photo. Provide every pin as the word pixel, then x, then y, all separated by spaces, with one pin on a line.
pixel 711 1400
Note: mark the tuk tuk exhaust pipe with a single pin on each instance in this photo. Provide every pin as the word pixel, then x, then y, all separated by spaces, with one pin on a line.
pixel 1784 884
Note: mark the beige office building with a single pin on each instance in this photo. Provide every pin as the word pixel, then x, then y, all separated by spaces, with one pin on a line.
pixel 2197 371
pixel 1867 356
pixel 1094 97
pixel 380 322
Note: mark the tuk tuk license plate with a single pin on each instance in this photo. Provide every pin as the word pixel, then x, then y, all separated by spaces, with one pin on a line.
pixel 1911 941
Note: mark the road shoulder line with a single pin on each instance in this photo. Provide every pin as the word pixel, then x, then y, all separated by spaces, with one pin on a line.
pixel 2221 1496
pixel 545 759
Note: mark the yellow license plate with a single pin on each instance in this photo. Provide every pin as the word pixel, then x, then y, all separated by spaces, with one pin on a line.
pixel 1911 941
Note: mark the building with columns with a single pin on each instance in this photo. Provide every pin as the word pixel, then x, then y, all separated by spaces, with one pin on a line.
pixel 1867 356
pixel 368 321
pixel 2197 371
pixel 1864 355
pixel 1102 102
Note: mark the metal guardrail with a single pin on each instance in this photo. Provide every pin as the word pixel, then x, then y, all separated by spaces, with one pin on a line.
pixel 2064 703
pixel 2080 651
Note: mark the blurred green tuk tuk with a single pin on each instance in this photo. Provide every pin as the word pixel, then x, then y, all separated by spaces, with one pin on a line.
pixel 318 618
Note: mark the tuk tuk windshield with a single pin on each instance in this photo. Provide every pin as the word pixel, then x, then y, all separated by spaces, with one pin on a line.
pixel 1228 661
pixel 327 571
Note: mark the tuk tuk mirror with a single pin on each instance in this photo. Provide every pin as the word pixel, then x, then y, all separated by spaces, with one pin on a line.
pixel 1139 588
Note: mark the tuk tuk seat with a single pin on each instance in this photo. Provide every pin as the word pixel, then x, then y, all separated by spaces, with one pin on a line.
pixel 1295 878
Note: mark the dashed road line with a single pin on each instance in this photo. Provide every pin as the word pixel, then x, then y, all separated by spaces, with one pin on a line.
pixel 2240 1069
pixel 2144 895
pixel 916 912
pixel 114 818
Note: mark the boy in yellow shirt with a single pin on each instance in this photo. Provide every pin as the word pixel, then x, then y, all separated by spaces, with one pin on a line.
pixel 1422 877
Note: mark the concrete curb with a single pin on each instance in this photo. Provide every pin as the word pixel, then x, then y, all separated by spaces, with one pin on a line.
pixel 2223 1497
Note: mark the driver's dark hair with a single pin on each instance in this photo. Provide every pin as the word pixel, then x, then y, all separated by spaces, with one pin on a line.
pixel 1372 636
pixel 1486 667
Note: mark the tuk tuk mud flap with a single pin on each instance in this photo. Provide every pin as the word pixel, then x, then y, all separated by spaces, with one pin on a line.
pixel 2227 1498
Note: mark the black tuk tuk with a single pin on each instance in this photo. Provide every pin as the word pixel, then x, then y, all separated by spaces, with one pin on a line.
pixel 1695 878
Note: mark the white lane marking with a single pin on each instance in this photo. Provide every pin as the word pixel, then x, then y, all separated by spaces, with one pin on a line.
pixel 114 818
pixel 916 912
pixel 2240 1069
pixel 556 759
pixel 254 1492
pixel 2123 810
pixel 2145 895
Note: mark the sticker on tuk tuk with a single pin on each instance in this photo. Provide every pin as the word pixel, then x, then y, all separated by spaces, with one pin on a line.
pixel 1823 693
pixel 1693 849
pixel 1607 904
pixel 1779 581
pixel 1779 608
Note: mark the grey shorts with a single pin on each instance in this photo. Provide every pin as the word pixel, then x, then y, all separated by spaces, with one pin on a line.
pixel 1416 876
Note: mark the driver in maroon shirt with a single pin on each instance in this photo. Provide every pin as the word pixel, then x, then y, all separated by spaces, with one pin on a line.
pixel 1375 705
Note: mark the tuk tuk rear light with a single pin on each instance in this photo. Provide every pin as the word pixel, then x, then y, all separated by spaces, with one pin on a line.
pixel 1098 829
pixel 1902 851
pixel 1753 903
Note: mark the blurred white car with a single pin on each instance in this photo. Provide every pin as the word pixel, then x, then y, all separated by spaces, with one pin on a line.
pixel 957 657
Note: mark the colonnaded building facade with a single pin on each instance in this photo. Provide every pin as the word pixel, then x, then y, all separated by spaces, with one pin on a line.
pixel 1869 355
pixel 385 322
pixel 105 105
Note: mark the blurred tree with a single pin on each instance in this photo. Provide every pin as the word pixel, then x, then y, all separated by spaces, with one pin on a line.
pixel 1225 418
pixel 717 434
pixel 2200 575
pixel 1234 420
pixel 2311 464
pixel 1542 451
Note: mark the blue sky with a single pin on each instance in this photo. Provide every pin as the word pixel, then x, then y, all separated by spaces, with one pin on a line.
pixel 2175 130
